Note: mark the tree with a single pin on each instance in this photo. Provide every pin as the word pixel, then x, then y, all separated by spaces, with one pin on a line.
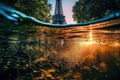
pixel 86 10
pixel 39 9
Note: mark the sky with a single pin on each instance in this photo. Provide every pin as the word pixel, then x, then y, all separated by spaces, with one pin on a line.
pixel 67 9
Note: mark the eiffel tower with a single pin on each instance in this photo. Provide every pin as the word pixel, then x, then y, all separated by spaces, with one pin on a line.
pixel 58 17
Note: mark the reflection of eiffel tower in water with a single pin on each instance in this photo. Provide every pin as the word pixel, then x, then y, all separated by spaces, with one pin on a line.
pixel 58 17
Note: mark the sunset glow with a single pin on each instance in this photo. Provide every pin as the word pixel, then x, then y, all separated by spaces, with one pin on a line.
pixel 67 9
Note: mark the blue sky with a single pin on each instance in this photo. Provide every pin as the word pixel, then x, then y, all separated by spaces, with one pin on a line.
pixel 67 9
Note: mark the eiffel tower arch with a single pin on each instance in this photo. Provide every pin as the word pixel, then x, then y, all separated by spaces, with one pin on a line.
pixel 58 17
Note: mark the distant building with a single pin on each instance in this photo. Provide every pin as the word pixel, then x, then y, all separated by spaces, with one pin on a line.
pixel 58 17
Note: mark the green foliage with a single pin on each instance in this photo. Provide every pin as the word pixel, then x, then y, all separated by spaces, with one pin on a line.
pixel 86 10
pixel 39 9
pixel 36 8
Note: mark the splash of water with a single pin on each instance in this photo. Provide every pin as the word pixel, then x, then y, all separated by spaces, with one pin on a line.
pixel 11 14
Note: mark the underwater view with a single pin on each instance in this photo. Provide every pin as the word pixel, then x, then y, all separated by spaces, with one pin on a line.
pixel 33 49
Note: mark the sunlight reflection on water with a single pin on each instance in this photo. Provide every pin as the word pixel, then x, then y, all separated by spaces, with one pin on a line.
pixel 89 44
pixel 77 51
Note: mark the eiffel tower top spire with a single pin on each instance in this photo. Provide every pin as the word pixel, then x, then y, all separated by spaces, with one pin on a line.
pixel 58 8
pixel 58 17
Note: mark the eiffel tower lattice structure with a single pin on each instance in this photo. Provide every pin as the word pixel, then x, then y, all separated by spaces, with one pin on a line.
pixel 58 17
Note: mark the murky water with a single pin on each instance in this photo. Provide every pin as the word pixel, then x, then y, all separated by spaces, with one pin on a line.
pixel 73 54
pixel 81 52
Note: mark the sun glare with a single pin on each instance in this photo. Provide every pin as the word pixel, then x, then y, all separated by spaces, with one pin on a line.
pixel 91 35
pixel 89 41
